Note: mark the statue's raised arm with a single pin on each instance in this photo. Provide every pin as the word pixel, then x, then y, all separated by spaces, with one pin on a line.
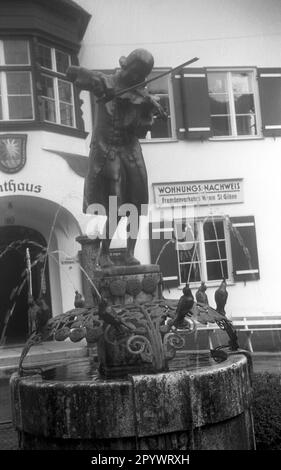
pixel 90 80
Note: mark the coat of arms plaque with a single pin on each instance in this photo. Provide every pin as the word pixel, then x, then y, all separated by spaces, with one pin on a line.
pixel 12 152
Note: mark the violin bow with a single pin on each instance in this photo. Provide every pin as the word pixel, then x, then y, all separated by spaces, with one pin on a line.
pixel 146 82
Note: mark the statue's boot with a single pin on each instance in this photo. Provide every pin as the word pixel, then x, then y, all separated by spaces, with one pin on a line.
pixel 130 260
pixel 105 261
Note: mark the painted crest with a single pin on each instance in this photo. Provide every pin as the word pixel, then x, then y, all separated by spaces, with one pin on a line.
pixel 12 152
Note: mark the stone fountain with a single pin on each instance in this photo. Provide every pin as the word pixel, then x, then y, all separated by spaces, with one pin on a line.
pixel 138 397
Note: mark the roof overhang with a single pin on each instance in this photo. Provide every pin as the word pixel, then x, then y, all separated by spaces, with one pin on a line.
pixel 62 20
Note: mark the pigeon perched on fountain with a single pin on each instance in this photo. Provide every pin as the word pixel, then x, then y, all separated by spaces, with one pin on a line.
pixel 79 302
pixel 107 314
pixel 38 313
pixel 221 295
pixel 42 315
pixel 201 296
pixel 203 313
pixel 184 306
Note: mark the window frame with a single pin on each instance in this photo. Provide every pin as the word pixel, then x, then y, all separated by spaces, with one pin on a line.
pixel 173 137
pixel 254 72
pixel 202 252
pixel 56 76
pixel 6 68
pixel 37 122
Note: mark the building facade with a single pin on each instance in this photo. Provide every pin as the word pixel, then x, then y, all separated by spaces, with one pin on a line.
pixel 213 165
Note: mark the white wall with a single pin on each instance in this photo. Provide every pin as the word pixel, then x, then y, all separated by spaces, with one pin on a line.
pixel 220 32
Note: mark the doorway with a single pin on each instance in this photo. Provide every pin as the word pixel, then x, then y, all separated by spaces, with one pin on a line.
pixel 13 280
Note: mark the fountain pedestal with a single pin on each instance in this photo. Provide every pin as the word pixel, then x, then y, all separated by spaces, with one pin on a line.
pixel 201 409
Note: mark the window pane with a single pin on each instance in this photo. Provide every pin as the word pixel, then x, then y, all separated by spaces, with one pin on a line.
pixel 217 270
pixel 244 104
pixel 66 114
pixel 217 82
pixel 221 125
pixel 215 250
pixel 246 125
pixel 161 128
pixel 45 57
pixel 219 104
pixel 18 83
pixel 190 272
pixel 16 52
pixel 189 253
pixel 62 61
pixel 242 83
pixel 20 107
pixel 49 110
pixel 213 230
pixel 186 230
pixel 160 85
pixel 65 91
pixel 48 86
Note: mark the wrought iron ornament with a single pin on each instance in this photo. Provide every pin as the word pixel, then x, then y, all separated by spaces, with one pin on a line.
pixel 150 330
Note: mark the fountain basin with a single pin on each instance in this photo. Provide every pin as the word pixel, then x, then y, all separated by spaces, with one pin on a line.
pixel 202 408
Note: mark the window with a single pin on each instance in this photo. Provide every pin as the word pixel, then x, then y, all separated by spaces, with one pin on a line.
pixel 16 98
pixel 203 250
pixel 161 128
pixel 57 93
pixel 233 103
pixel 206 250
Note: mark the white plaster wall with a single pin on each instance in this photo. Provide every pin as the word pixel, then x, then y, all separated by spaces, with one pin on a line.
pixel 220 32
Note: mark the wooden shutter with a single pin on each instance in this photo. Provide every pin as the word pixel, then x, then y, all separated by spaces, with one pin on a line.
pixel 161 234
pixel 196 104
pixel 244 249
pixel 178 105
pixel 270 99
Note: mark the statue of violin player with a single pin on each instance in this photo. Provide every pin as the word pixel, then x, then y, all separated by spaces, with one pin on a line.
pixel 125 111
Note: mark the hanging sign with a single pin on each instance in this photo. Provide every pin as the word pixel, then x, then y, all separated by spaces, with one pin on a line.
pixel 206 192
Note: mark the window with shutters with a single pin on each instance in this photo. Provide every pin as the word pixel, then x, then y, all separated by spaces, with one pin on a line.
pixel 162 128
pixel 16 95
pixel 203 250
pixel 57 92
pixel 234 106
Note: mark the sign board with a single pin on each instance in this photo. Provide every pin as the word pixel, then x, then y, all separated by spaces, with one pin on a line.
pixel 206 192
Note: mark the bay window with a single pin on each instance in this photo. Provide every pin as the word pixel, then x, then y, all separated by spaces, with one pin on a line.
pixel 34 91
